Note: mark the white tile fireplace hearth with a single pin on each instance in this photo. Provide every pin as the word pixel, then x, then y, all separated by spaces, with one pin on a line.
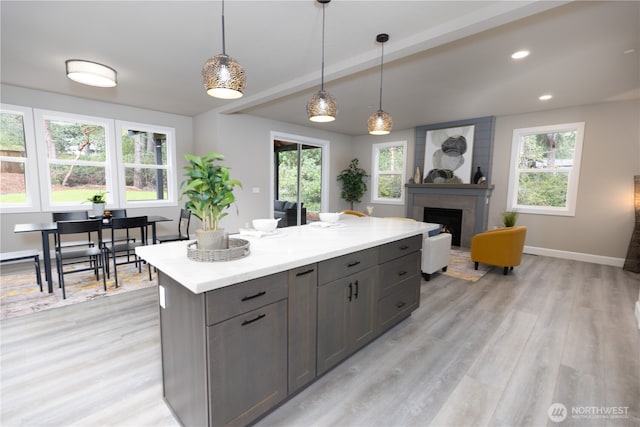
pixel 472 199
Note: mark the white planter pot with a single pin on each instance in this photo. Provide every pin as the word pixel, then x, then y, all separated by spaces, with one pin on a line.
pixel 98 209
pixel 211 239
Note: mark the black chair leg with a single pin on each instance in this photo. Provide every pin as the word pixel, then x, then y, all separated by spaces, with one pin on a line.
pixel 38 275
pixel 505 271
pixel 476 265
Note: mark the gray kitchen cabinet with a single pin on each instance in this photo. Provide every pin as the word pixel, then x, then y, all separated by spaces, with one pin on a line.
pixel 346 316
pixel 302 305
pixel 247 365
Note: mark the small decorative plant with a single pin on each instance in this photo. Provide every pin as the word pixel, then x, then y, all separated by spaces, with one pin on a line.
pixel 509 218
pixel 208 188
pixel 353 184
pixel 99 197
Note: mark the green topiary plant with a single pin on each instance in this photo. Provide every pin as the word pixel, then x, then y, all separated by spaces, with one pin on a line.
pixel 509 218
pixel 353 184
pixel 208 188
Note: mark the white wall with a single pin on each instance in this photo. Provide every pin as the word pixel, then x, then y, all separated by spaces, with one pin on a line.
pixel 46 100
pixel 604 217
pixel 245 141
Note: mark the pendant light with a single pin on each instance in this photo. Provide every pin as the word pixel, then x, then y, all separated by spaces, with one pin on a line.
pixel 222 76
pixel 380 122
pixel 322 106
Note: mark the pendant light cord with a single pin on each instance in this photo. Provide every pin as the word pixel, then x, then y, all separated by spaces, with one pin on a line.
pixel 381 62
pixel 322 74
pixel 223 43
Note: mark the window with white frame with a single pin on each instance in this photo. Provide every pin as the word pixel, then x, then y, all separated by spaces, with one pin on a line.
pixel 545 168
pixel 19 190
pixel 55 160
pixel 147 156
pixel 76 157
pixel 389 159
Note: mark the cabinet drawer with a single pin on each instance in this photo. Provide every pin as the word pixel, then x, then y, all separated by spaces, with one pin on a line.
pixel 345 265
pixel 236 299
pixel 397 270
pixel 399 304
pixel 399 248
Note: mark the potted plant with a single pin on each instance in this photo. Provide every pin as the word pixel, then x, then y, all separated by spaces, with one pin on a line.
pixel 353 185
pixel 210 193
pixel 98 200
pixel 509 218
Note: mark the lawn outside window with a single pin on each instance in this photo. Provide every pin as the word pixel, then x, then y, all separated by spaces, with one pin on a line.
pixel 545 168
pixel 389 159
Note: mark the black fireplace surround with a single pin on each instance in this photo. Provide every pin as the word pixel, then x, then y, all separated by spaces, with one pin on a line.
pixel 450 219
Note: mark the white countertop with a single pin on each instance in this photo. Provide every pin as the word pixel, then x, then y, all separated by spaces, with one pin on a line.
pixel 288 248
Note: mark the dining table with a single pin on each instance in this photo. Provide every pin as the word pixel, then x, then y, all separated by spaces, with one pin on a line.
pixel 46 229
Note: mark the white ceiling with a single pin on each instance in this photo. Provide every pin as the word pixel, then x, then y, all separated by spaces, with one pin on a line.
pixel 445 60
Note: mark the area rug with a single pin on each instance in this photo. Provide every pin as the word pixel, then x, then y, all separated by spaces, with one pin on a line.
pixel 461 267
pixel 20 294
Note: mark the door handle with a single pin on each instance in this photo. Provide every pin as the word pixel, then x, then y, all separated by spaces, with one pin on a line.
pixel 400 304
pixel 356 294
pixel 402 273
pixel 350 291
pixel 353 264
pixel 311 270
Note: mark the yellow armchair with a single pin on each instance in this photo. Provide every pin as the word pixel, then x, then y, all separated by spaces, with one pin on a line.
pixel 501 246
pixel 354 213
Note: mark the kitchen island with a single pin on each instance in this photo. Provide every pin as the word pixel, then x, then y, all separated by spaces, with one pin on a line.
pixel 238 338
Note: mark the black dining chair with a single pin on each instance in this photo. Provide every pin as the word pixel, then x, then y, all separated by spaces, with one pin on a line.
pixel 183 229
pixel 74 256
pixel 118 213
pixel 72 216
pixel 119 249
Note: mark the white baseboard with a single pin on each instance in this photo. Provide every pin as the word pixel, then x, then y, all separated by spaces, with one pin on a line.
pixel 638 312
pixel 576 256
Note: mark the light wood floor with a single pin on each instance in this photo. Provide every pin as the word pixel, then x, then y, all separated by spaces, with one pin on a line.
pixel 498 351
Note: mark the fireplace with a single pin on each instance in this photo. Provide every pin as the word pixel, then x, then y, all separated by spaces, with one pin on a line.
pixel 451 220
pixel 471 199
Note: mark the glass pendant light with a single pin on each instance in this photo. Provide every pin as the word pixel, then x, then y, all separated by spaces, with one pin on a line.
pixel 380 122
pixel 322 106
pixel 222 76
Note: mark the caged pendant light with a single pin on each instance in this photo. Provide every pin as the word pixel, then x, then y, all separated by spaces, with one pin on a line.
pixel 222 76
pixel 380 122
pixel 322 106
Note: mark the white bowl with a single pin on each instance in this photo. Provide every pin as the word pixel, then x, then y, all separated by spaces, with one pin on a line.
pixel 266 225
pixel 330 217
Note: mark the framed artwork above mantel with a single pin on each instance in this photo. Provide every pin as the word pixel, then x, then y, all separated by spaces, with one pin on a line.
pixel 478 138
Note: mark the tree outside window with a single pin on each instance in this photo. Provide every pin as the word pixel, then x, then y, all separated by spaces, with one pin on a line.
pixel 545 168
pixel 18 171
pixel 389 161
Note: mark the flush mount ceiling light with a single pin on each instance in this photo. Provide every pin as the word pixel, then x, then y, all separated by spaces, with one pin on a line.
pixel 545 97
pixel 520 54
pixel 90 73
pixel 222 76
pixel 322 106
pixel 380 123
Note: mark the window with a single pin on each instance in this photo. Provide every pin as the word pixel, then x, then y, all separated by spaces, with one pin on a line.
pixel 53 161
pixel 389 160
pixel 545 167
pixel 146 154
pixel 76 158
pixel 18 169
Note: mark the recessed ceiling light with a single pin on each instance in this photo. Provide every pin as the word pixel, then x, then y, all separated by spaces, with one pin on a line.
pixel 545 97
pixel 91 73
pixel 520 54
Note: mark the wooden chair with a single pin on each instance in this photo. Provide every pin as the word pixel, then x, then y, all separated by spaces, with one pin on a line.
pixel 183 229
pixel 94 255
pixel 121 248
